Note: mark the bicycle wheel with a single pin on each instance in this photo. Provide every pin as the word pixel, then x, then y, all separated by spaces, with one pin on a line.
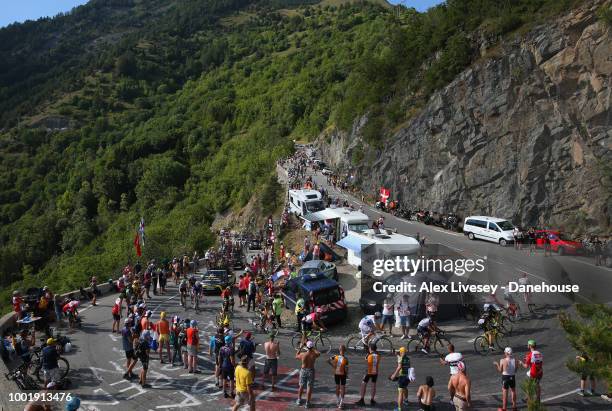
pixel 323 344
pixel 481 345
pixel 384 345
pixel 441 345
pixel 415 345
pixel 355 343
pixel 296 341
pixel 501 341
pixel 506 325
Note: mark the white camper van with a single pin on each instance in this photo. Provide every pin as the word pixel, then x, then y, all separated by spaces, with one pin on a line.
pixel 349 220
pixel 302 202
pixel 492 229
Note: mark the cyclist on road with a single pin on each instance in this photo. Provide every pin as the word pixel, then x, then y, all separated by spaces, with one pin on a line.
pixel 488 324
pixel 507 367
pixel 369 325
pixel 426 327
pixel 310 321
pixel 373 361
pixel 183 291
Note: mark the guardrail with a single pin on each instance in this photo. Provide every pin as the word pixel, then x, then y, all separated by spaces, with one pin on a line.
pixel 9 321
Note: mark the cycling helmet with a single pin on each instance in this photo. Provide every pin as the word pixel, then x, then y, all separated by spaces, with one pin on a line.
pixel 127 320
pixel 149 313
pixel 319 310
pixel 16 292
pixel 531 342
pixel 193 323
pixel 50 341
pixel 228 339
pixel 226 322
pixel 198 284
pixel 176 319
pixel 369 322
pixel 377 314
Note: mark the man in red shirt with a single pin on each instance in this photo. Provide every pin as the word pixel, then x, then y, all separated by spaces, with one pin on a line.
pixel 242 288
pixel 193 342
pixel 534 362
pixel 17 304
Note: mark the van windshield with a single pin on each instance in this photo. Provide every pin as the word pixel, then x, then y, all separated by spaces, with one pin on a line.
pixel 505 225
pixel 312 206
pixel 358 227
pixel 326 296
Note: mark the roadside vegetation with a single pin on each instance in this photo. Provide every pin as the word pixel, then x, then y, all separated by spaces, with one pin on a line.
pixel 176 111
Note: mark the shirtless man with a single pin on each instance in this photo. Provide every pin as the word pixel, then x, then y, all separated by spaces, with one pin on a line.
pixel 426 394
pixel 507 367
pixel 459 387
pixel 307 372
pixel 272 349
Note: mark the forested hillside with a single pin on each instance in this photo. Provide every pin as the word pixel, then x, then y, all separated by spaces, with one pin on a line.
pixel 177 110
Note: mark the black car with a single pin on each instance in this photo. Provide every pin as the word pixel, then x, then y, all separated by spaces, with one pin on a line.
pixel 215 281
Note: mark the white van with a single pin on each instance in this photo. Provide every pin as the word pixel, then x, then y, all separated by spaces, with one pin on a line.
pixel 492 229
pixel 303 202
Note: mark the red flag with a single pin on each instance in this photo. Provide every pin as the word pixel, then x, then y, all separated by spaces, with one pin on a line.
pixel 384 194
pixel 137 245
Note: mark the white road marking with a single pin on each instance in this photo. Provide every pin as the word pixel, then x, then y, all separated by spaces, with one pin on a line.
pixel 446 232
pixel 280 383
pixel 565 394
pixel 592 265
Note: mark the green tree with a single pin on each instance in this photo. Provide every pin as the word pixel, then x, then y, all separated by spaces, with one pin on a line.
pixel 590 333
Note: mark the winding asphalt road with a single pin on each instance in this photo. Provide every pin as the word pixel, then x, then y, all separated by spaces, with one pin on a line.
pixel 98 362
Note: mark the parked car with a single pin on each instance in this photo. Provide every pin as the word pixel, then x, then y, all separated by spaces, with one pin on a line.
pixel 215 280
pixel 559 242
pixel 487 228
pixel 319 266
pixel 318 291
pixel 327 172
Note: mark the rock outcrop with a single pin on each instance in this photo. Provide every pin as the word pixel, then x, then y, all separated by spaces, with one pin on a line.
pixel 525 136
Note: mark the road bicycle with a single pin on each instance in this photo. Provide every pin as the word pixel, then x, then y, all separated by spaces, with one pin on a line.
pixel 384 345
pixel 35 365
pixel 322 343
pixel 439 340
pixel 22 379
pixel 498 338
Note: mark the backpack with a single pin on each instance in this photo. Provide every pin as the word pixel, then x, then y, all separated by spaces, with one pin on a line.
pixel 182 337
pixel 219 343
pixel 536 364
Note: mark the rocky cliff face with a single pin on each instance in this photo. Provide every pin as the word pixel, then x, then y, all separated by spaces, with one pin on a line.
pixel 526 135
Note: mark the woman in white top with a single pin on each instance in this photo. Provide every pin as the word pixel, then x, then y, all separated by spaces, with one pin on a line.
pixel 388 313
pixel 404 314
